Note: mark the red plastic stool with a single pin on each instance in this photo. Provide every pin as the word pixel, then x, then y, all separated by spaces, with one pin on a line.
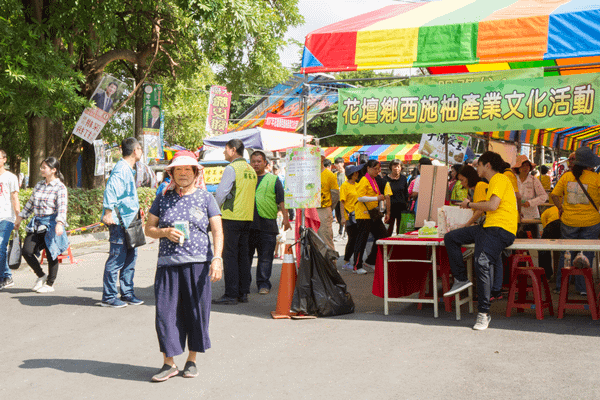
pixel 519 281
pixel 565 302
pixel 519 259
pixel 61 257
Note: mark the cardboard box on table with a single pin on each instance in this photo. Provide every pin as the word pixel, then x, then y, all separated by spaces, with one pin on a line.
pixel 432 193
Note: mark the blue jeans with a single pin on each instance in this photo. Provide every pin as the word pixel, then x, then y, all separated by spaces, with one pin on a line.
pixel 264 243
pixel 489 243
pixel 573 232
pixel 121 263
pixel 6 228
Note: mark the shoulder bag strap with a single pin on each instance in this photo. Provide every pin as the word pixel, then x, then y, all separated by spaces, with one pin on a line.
pixel 586 193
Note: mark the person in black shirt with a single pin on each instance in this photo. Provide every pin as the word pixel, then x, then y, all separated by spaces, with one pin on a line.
pixel 399 198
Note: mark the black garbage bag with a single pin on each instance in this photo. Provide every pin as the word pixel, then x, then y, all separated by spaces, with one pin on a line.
pixel 14 252
pixel 320 290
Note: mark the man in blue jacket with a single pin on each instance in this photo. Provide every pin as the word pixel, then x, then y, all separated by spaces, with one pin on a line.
pixel 120 198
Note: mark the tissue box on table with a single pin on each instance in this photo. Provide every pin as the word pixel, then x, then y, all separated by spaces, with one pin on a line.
pixel 428 230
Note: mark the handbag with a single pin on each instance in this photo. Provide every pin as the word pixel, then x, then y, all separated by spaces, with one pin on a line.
pixel 351 219
pixel 14 251
pixel 375 214
pixel 134 233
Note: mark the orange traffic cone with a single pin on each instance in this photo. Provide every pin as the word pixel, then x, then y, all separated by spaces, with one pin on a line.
pixel 287 283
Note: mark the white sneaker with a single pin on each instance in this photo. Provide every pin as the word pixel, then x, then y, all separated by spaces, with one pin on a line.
pixel 39 283
pixel 45 289
pixel 360 271
pixel 457 287
pixel 483 321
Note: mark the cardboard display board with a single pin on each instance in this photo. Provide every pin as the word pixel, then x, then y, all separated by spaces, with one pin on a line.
pixel 432 193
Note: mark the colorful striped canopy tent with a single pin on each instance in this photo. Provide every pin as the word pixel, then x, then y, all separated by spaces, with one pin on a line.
pixel 454 36
pixel 569 139
pixel 380 152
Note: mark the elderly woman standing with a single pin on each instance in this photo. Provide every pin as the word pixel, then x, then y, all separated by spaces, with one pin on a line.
pixel 186 264
pixel 46 230
pixel 532 195
pixel 580 192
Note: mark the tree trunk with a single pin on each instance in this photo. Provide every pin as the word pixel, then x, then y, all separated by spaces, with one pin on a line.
pixel 68 163
pixel 14 164
pixel 38 130
pixel 88 166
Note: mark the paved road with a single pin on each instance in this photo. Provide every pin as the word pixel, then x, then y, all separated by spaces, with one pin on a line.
pixel 63 346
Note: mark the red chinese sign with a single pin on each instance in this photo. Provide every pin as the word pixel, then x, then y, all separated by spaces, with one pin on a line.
pixel 217 118
pixel 281 123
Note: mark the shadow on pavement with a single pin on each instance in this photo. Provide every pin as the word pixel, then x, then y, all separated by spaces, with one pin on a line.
pixel 98 368
pixel 43 300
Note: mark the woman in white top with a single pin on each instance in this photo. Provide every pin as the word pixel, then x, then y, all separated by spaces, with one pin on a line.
pixel 532 195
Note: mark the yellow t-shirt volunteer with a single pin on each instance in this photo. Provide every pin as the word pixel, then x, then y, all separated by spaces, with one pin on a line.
pixel 348 196
pixel 577 209
pixel 363 188
pixel 506 215
pixel 546 182
pixel 328 183
pixel 550 215
pixel 479 194
pixel 513 179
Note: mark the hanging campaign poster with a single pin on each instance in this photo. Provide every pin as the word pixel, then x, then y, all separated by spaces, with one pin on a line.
pixel 217 118
pixel 105 97
pixel 538 103
pixel 100 157
pixel 303 177
pixel 434 146
pixel 153 117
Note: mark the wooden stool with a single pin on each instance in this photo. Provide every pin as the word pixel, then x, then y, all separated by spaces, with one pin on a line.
pixel 538 278
pixel 565 302
pixel 61 257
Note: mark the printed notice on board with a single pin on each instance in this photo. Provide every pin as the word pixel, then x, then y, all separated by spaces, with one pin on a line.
pixel 303 177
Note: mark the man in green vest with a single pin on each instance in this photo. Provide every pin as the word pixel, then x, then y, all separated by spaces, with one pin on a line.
pixel 263 232
pixel 235 196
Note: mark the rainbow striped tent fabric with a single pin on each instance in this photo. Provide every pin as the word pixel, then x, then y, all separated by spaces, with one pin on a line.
pixel 380 152
pixel 564 138
pixel 454 36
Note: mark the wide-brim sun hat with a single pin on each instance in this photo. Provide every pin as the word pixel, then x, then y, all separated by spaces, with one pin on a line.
pixel 586 158
pixel 183 158
pixel 521 159
pixel 351 169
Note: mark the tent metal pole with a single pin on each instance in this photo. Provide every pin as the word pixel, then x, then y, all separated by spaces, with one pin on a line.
pixel 391 78
pixel 305 88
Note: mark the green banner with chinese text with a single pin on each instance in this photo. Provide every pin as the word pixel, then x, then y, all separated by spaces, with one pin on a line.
pixel 535 103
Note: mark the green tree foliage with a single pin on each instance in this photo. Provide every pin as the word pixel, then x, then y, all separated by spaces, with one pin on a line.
pixel 53 54
pixel 242 37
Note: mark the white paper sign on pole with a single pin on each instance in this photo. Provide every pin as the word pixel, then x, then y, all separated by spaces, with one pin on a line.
pixel 433 146
pixel 303 177
pixel 100 157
